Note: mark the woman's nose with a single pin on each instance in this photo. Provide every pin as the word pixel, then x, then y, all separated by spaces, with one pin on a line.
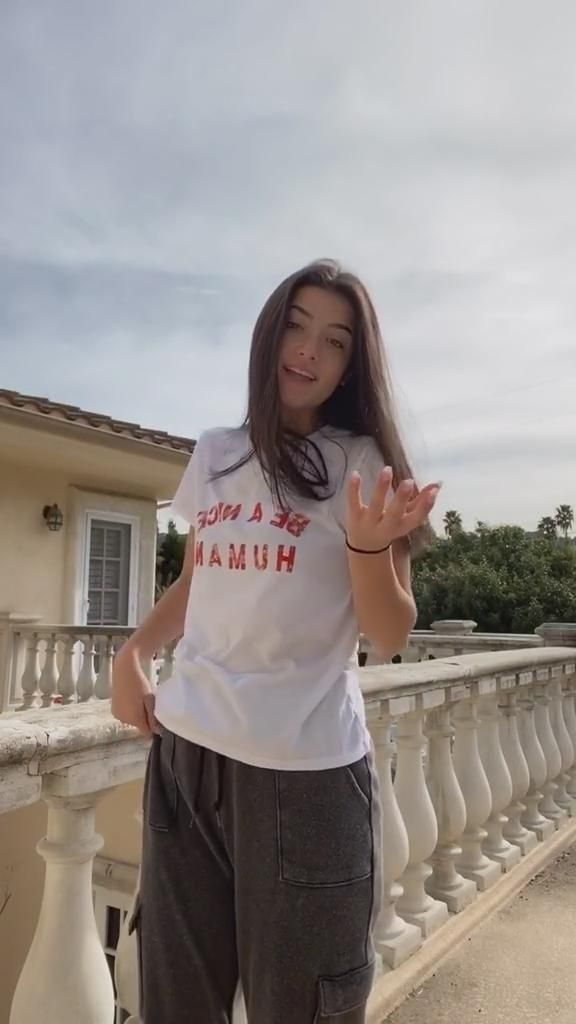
pixel 308 348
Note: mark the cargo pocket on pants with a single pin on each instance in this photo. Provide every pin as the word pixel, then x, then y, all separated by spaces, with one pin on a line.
pixel 346 992
pixel 324 825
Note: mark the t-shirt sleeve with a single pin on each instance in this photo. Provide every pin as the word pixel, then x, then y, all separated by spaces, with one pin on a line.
pixel 185 500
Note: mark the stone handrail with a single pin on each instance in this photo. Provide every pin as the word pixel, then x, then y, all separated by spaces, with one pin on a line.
pixel 476 758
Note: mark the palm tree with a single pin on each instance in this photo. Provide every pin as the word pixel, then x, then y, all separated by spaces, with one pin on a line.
pixel 565 518
pixel 547 527
pixel 452 523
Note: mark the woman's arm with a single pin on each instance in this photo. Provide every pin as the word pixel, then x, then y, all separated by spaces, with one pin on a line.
pixel 383 600
pixel 380 565
pixel 132 700
pixel 165 622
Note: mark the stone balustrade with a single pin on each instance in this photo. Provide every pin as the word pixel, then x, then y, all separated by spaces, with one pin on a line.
pixel 451 637
pixel 484 780
pixel 43 665
pixel 69 757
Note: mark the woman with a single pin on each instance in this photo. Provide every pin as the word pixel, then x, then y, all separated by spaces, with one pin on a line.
pixel 262 853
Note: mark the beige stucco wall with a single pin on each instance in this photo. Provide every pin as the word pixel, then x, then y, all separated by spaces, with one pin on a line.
pixel 116 822
pixel 31 558
pixel 21 880
pixel 22 872
pixel 40 571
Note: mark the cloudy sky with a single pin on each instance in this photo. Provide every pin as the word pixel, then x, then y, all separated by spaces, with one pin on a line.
pixel 164 165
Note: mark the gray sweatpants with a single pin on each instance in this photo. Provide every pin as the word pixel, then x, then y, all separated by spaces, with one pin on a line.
pixel 270 877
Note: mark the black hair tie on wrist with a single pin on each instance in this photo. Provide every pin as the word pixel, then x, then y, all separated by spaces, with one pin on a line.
pixel 367 551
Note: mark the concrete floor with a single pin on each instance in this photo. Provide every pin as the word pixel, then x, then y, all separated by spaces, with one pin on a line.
pixel 518 968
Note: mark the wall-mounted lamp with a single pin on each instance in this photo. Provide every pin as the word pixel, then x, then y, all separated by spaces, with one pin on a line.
pixel 53 516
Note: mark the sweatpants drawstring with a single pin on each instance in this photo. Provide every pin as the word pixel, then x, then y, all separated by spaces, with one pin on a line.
pixel 217 806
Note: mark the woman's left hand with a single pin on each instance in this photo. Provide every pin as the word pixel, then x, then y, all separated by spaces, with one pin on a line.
pixel 376 525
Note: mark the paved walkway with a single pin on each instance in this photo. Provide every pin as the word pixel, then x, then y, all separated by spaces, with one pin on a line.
pixel 518 968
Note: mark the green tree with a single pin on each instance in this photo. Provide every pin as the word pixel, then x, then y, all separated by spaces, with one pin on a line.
pixel 452 523
pixel 169 558
pixel 547 527
pixel 565 518
pixel 504 579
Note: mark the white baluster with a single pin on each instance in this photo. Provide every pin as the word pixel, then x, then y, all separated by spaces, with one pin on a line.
pixel 416 807
pixel 532 818
pixel 562 737
pixel 49 675
pixel 87 675
pixel 65 978
pixel 446 883
pixel 412 654
pixel 373 657
pixel 570 719
pixel 495 845
pixel 514 830
pixel 67 685
pixel 239 1008
pixel 548 807
pixel 476 792
pixel 167 666
pixel 127 971
pixel 31 675
pixel 396 939
pixel 103 683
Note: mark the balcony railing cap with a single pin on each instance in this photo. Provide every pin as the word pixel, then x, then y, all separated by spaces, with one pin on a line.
pixel 386 681
pixel 38 734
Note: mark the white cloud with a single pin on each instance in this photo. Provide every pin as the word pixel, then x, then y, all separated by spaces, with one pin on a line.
pixel 162 168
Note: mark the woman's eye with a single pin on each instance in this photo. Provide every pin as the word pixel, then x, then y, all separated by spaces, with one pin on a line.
pixel 291 325
pixel 336 342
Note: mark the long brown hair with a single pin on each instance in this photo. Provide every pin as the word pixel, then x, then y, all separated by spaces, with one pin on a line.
pixel 363 405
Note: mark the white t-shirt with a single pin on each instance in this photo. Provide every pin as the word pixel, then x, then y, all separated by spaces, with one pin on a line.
pixel 267 672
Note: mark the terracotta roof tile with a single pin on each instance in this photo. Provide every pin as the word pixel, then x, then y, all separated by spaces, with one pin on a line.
pixel 72 413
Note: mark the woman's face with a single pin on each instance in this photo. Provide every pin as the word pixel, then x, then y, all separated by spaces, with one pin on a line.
pixel 315 353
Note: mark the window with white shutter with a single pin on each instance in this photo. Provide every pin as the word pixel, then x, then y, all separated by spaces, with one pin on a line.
pixel 108 573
